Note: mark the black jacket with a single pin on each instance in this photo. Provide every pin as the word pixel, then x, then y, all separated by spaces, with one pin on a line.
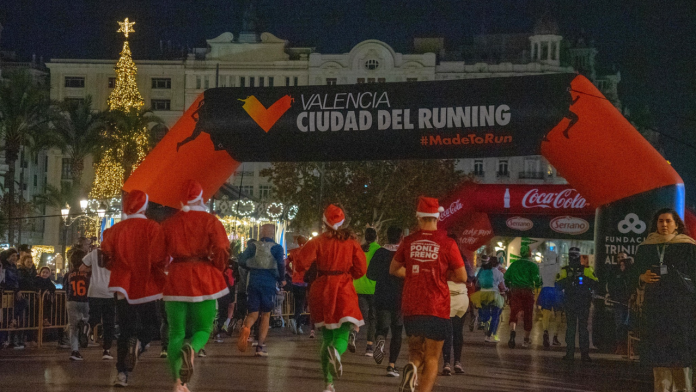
pixel 388 287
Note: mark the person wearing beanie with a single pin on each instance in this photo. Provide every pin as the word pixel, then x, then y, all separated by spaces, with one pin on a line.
pixel 198 245
pixel 332 297
pixel 522 278
pixel 265 262
pixel 365 288
pixel 577 283
pixel 133 250
pixel 426 260
pixel 299 286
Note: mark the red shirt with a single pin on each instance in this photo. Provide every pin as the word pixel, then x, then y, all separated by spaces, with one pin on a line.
pixel 427 256
pixel 297 276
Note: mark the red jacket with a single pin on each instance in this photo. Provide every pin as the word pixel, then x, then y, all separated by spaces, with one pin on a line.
pixel 135 249
pixel 198 245
pixel 297 275
pixel 332 298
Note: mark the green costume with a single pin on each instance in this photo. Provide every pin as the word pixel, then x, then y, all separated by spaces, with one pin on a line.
pixel 202 314
pixel 337 338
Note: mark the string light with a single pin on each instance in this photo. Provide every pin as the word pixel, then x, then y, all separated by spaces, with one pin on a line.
pixel 38 250
pixel 275 210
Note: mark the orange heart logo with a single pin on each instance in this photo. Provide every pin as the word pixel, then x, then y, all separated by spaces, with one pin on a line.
pixel 266 118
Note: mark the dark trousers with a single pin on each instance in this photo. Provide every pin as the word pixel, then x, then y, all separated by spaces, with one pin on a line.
pixel 576 318
pixel 102 311
pixel 134 320
pixel 164 324
pixel 620 316
pixel 386 320
pixel 223 304
pixel 299 294
pixel 454 340
pixel 367 308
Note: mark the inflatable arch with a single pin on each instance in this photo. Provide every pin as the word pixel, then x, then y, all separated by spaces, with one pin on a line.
pixel 563 117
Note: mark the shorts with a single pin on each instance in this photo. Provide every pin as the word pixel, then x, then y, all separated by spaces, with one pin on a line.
pixel 429 327
pixel 260 299
pixel 522 300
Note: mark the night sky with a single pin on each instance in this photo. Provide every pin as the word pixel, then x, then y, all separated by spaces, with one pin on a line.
pixel 653 43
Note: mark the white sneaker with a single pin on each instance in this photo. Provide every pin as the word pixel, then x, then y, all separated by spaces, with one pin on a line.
pixel 218 339
pixel 335 365
pixel 299 330
pixel 293 326
pixel 121 380
pixel 329 388
pixel 409 378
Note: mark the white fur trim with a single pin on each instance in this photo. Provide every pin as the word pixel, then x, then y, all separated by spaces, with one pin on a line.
pixel 186 208
pixel 138 301
pixel 336 226
pixel 197 199
pixel 144 207
pixel 201 298
pixel 347 319
pixel 440 209
pixel 131 216
pixel 428 214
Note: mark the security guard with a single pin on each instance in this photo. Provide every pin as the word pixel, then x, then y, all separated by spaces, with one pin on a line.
pixel 577 283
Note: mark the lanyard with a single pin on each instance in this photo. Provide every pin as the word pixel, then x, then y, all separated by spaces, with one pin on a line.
pixel 661 254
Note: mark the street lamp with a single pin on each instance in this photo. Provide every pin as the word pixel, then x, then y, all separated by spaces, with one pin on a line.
pixel 83 204
pixel 101 211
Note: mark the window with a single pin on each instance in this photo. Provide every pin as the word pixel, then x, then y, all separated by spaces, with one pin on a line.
pixel 160 104
pixel 411 79
pixel 247 189
pixel 361 80
pixel 264 192
pixel 381 80
pixel 161 83
pixel 242 81
pixel 46 165
pixel 112 82
pixel 206 82
pixel 503 168
pixel 198 82
pixel 252 81
pixel 75 101
pixel 270 81
pixel 287 80
pixel 261 81
pixel 531 169
pixel 66 170
pixel 478 167
pixel 331 81
pixel 370 80
pixel 372 64
pixel 75 81
pixel 24 187
pixel 36 180
pixel 295 80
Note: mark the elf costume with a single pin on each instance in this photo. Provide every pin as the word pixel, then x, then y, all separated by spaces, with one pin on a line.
pixel 198 245
pixel 332 298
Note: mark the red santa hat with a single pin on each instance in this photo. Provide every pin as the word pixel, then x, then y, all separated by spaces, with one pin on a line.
pixel 193 195
pixel 136 203
pixel 334 217
pixel 428 207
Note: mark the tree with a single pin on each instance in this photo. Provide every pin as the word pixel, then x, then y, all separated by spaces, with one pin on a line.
pixel 130 132
pixel 79 131
pixel 374 193
pixel 24 109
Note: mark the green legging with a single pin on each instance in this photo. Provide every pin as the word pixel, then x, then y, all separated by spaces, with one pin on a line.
pixel 201 316
pixel 337 338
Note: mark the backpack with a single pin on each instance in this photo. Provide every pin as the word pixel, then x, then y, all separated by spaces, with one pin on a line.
pixel 263 259
pixel 485 279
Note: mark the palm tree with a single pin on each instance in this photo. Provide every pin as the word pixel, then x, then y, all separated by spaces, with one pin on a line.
pixel 79 132
pixel 24 115
pixel 129 135
pixel 58 197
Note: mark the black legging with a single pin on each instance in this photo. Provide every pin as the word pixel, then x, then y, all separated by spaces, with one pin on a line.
pixel 300 296
pixel 386 320
pixel 454 335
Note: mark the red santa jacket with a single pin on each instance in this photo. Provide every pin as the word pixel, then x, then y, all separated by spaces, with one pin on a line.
pixel 136 254
pixel 198 245
pixel 332 298
pixel 297 275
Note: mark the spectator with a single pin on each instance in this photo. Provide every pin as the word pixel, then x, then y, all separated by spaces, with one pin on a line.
pixel 522 278
pixel 102 308
pixel 619 290
pixel 77 285
pixel 366 293
pixel 11 282
pixel 666 267
pixel 388 290
pixel 43 284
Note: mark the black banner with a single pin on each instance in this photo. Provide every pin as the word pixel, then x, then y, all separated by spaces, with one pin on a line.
pixel 576 227
pixel 507 116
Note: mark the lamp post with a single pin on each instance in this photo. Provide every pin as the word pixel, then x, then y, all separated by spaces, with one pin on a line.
pixel 68 220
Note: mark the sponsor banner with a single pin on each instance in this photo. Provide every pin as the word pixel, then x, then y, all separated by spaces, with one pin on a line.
pixel 452 119
pixel 577 227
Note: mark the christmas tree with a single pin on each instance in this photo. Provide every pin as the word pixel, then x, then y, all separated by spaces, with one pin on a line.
pixel 109 172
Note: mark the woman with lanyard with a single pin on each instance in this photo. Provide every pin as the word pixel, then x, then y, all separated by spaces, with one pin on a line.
pixel 332 298
pixel 666 269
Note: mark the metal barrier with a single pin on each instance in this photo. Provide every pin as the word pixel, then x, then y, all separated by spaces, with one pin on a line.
pixel 34 312
pixel 288 305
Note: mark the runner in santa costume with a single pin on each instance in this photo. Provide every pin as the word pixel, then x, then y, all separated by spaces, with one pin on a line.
pixel 198 245
pixel 426 260
pixel 332 298
pixel 134 252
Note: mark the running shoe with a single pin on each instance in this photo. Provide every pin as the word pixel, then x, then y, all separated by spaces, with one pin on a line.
pixel 121 380
pixel 243 336
pixel 458 369
pixel 547 343
pixel 472 323
pixel 299 330
pixel 261 351
pixel 133 353
pixel 527 343
pixel 447 370
pixel 379 351
pixel 311 334
pixel 75 356
pixel 409 378
pixel 392 372
pixel 218 339
pixel 202 354
pixel 351 341
pixel 511 342
pixel 226 326
pixel 163 353
pixel 329 388
pixel 369 351
pixel 83 333
pixel 106 355
pixel 335 365
pixel 293 326
pixel 186 372
pixel 495 338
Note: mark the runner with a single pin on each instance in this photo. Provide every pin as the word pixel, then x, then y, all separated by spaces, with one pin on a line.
pixel 332 298
pixel 134 252
pixel 426 259
pixel 197 242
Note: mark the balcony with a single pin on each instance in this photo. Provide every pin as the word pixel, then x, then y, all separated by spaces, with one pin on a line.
pixel 535 175
pixel 502 174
